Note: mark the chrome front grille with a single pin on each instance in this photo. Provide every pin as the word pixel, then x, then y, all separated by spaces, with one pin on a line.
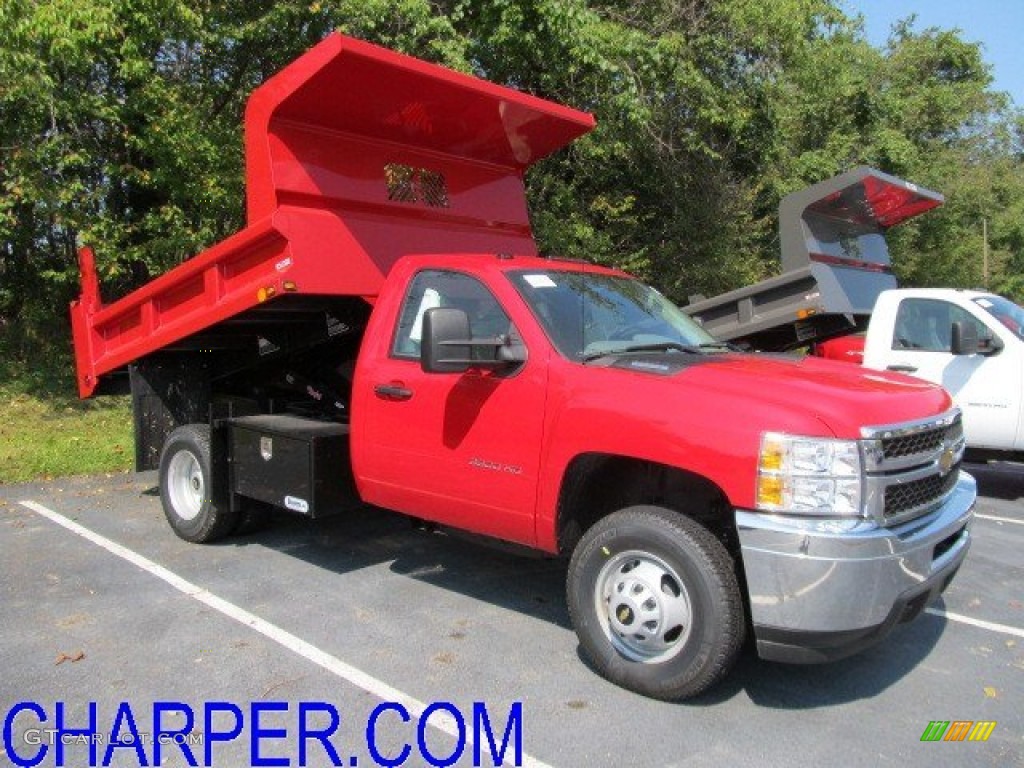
pixel 906 497
pixel 911 468
pixel 922 441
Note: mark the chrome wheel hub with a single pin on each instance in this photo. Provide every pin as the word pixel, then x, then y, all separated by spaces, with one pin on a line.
pixel 645 606
pixel 185 485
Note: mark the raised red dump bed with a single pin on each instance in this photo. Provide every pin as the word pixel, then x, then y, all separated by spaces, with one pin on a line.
pixel 355 156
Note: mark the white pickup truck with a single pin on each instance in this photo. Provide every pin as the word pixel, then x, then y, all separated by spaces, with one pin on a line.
pixel 970 342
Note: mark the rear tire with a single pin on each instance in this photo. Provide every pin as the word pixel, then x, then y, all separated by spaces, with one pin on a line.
pixel 655 602
pixel 187 490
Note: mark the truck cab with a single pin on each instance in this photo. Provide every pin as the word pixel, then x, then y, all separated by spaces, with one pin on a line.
pixel 912 331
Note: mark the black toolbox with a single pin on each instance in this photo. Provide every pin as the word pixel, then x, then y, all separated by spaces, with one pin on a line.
pixel 298 464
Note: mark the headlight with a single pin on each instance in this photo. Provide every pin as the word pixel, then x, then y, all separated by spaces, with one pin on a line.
pixel 809 476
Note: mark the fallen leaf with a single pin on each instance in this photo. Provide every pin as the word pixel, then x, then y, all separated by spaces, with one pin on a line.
pixel 990 692
pixel 73 657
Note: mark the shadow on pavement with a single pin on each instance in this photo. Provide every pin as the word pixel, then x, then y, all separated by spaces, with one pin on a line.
pixel 534 586
pixel 531 585
pixel 863 676
pixel 998 479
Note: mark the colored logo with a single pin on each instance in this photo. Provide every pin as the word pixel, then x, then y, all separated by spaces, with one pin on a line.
pixel 958 730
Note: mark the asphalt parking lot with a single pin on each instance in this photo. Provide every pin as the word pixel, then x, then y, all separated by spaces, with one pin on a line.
pixel 276 631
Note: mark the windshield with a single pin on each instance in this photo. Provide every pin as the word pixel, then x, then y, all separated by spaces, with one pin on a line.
pixel 588 315
pixel 1005 311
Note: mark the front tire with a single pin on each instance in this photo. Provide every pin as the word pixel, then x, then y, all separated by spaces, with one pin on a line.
pixel 655 602
pixel 187 489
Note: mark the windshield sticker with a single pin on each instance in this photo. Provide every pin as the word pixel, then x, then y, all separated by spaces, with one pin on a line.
pixel 539 281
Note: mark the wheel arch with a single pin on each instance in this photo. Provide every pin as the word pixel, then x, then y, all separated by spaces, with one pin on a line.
pixel 595 485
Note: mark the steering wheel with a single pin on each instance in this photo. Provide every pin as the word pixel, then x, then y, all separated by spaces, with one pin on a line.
pixel 632 330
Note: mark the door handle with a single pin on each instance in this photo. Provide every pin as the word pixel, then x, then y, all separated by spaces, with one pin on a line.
pixel 902 368
pixel 392 392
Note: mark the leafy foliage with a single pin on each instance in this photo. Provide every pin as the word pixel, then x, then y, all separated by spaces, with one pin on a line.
pixel 120 126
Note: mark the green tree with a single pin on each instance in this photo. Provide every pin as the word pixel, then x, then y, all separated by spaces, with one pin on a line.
pixel 920 108
pixel 120 126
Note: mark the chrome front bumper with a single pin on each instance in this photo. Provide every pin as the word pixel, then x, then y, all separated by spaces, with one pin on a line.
pixel 823 589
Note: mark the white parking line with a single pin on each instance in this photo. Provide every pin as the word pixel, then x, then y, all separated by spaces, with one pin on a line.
pixel 282 637
pixel 999 519
pixel 989 625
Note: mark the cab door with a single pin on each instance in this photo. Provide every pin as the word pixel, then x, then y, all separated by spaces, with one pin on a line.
pixel 984 386
pixel 462 448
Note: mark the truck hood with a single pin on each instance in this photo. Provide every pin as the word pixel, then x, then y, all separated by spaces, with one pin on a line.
pixel 843 396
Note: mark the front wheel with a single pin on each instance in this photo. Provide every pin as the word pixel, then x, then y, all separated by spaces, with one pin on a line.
pixel 186 487
pixel 655 602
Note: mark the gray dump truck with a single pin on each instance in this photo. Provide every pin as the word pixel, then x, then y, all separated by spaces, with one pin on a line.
pixel 835 263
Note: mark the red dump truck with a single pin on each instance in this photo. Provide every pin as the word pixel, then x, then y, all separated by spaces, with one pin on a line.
pixel 383 332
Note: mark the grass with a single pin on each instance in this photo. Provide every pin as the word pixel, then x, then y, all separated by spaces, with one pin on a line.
pixel 46 431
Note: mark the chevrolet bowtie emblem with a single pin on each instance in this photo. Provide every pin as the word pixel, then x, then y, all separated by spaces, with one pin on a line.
pixel 946 461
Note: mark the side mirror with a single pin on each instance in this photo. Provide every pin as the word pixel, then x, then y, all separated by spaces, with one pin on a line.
pixel 989 344
pixel 964 338
pixel 448 345
pixel 446 338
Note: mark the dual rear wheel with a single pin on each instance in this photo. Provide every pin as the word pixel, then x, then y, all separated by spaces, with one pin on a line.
pixel 191 501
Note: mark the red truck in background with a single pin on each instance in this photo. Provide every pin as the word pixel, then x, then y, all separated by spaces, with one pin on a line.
pixel 846 349
pixel 383 332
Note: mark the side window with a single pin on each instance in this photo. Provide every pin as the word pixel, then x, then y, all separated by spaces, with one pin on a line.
pixel 437 288
pixel 961 315
pixel 926 324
